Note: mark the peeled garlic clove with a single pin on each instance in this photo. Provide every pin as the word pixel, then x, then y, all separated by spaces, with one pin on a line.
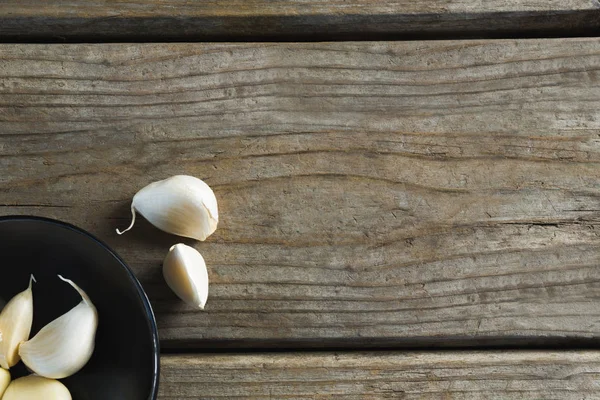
pixel 15 326
pixel 4 380
pixel 182 205
pixel 66 344
pixel 185 271
pixel 34 387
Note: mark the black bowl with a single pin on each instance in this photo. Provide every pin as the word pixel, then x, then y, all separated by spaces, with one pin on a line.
pixel 125 362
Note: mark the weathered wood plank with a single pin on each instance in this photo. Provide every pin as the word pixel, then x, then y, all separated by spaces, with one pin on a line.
pixel 449 375
pixel 403 191
pixel 225 19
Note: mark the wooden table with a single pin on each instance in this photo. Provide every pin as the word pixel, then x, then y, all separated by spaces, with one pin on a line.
pixel 399 219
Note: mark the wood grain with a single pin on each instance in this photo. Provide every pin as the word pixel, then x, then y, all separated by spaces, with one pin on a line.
pixel 402 192
pixel 450 375
pixel 147 20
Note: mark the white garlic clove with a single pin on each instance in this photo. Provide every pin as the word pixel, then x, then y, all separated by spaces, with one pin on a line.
pixel 185 272
pixel 15 326
pixel 66 344
pixel 181 205
pixel 34 387
pixel 4 380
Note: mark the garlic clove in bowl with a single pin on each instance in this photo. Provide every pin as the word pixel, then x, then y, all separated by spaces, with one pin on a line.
pixel 15 326
pixel 34 387
pixel 65 345
pixel 4 380
pixel 181 205
pixel 185 272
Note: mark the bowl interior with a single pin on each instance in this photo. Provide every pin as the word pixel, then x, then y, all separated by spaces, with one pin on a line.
pixel 125 361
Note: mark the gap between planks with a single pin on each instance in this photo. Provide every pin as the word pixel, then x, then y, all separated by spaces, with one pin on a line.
pixel 292 20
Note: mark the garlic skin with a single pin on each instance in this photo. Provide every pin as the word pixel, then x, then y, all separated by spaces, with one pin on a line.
pixel 185 272
pixel 15 326
pixel 4 380
pixel 181 205
pixel 66 344
pixel 34 387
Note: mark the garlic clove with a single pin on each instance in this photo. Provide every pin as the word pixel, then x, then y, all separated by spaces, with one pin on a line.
pixel 15 326
pixel 34 387
pixel 4 380
pixel 185 272
pixel 181 205
pixel 66 344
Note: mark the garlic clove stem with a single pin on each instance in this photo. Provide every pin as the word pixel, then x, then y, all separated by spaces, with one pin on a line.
pixel 185 272
pixel 181 205
pixel 66 344
pixel 15 326
pixel 34 387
